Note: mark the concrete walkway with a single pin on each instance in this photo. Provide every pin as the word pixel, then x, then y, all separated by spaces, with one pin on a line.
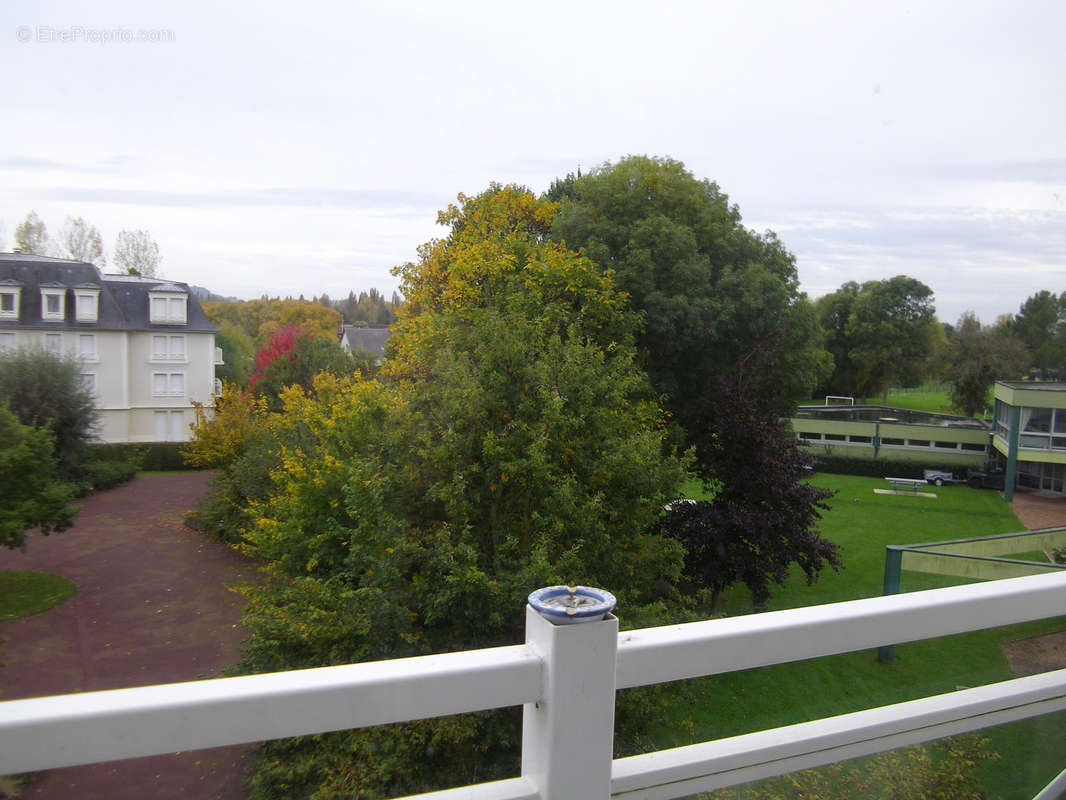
pixel 153 605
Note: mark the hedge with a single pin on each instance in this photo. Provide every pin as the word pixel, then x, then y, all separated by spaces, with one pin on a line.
pixel 879 467
pixel 153 456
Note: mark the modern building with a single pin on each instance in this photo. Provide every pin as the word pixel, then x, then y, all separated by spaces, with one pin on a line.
pixel 1030 432
pixel 898 434
pixel 146 348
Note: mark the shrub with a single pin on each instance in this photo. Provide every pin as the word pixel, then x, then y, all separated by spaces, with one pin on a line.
pixel 874 467
pixel 45 389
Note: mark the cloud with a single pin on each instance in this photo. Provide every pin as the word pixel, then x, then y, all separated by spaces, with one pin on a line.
pixel 1047 170
pixel 366 200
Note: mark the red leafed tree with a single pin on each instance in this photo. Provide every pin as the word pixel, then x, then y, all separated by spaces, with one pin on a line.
pixel 281 345
pixel 292 357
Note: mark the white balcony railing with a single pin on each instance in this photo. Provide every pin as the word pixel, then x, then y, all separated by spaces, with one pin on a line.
pixel 566 678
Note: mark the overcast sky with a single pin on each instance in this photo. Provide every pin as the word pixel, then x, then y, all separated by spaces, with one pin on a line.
pixel 294 148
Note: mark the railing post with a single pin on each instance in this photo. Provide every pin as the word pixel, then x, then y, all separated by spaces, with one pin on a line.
pixel 893 569
pixel 568 734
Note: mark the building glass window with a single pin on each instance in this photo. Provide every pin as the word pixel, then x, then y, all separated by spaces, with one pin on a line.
pixel 7 341
pixel 86 306
pixel 88 381
pixel 168 309
pixel 52 304
pixel 168 384
pixel 1060 420
pixel 87 346
pixel 1036 420
pixel 168 348
pixel 169 426
pixel 53 343
pixel 9 304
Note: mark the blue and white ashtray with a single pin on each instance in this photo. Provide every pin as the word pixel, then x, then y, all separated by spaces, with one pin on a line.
pixel 565 605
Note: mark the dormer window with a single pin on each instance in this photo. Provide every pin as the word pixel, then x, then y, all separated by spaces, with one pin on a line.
pixel 86 305
pixel 9 302
pixel 52 305
pixel 168 307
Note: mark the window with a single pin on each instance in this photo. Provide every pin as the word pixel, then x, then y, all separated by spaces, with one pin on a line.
pixel 835 437
pixel 977 448
pixel 168 384
pixel 169 426
pixel 1036 420
pixel 809 435
pixel 918 442
pixel 53 343
pixel 947 445
pixel 896 442
pixel 860 439
pixel 86 304
pixel 9 303
pixel 7 341
pixel 168 308
pixel 168 348
pixel 52 304
pixel 88 381
pixel 87 346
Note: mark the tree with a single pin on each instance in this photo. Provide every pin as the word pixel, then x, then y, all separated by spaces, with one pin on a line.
pixel 758 526
pixel 34 497
pixel 80 241
pixel 878 332
pixel 237 354
pixel 1041 325
pixel 716 297
pixel 137 253
pixel 293 357
pixel 975 357
pixel 723 319
pixel 891 330
pixel 31 236
pixel 512 442
pixel 259 319
pixel 834 312
pixel 43 389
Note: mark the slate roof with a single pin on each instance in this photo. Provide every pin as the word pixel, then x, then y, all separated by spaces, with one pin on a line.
pixel 123 298
pixel 361 337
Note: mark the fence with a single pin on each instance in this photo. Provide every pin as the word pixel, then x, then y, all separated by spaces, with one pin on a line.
pixel 565 677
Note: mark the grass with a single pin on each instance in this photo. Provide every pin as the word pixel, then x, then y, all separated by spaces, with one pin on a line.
pixel 25 593
pixel 862 523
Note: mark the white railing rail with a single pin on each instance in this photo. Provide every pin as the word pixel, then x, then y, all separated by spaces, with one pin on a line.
pixel 566 677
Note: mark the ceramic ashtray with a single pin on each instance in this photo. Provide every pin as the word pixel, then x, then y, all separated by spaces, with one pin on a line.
pixel 565 605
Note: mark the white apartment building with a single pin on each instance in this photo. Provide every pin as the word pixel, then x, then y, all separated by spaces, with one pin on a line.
pixel 146 348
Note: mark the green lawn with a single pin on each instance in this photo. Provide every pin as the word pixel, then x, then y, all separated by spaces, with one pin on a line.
pixel 25 593
pixel 862 523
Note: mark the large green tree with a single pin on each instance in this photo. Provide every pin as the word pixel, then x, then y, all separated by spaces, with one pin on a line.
pixel 879 332
pixel 1041 325
pixel 975 356
pixel 723 318
pixel 33 495
pixel 716 297
pixel 511 442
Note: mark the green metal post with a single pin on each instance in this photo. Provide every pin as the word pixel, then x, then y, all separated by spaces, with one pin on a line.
pixel 893 568
pixel 877 438
pixel 1012 452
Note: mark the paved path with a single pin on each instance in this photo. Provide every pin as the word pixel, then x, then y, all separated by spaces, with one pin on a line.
pixel 1038 510
pixel 153 606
